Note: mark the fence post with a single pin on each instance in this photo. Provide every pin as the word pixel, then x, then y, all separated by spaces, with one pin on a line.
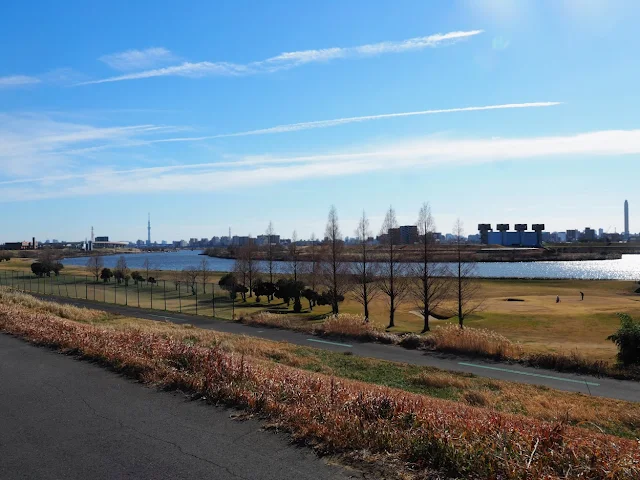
pixel 138 284
pixel 104 292
pixel 30 289
pixel 51 282
pixel 180 298
pixel 11 278
pixel 152 296
pixel 66 288
pixel 94 291
pixel 115 293
pixel 196 298
pixel 213 300
pixel 75 285
pixel 86 287
pixel 126 294
pixel 164 293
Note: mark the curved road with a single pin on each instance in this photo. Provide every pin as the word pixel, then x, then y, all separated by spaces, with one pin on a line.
pixel 61 418
pixel 589 385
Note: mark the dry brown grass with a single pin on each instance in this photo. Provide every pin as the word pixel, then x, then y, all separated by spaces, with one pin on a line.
pixel 474 341
pixel 341 416
pixel 10 296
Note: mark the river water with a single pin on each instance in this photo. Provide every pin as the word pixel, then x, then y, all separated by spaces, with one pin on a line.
pixel 626 268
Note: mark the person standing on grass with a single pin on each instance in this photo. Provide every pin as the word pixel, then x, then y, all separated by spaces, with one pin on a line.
pixel 581 295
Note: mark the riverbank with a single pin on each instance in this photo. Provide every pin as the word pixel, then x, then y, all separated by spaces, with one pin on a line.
pixel 440 254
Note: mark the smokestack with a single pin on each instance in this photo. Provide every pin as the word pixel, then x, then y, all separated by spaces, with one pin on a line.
pixel 626 220
pixel 33 242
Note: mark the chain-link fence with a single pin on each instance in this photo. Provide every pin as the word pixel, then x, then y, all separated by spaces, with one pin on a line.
pixel 205 299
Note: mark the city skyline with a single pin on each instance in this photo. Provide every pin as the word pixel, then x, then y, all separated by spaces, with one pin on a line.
pixel 470 231
pixel 231 115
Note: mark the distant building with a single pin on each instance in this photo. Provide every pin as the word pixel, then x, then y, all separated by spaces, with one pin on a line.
pixel 107 244
pixel 589 235
pixel 518 238
pixel 17 246
pixel 264 240
pixel 243 241
pixel 404 235
pixel 572 235
pixel 474 238
pixel 600 233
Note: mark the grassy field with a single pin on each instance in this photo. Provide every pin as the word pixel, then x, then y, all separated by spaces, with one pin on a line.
pixel 407 418
pixel 537 322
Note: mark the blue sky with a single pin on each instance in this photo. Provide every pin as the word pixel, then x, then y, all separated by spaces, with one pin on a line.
pixel 213 115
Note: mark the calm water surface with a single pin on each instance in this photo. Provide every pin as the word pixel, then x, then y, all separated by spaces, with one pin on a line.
pixel 627 268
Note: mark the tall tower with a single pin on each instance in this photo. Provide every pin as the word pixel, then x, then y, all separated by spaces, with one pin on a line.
pixel 149 230
pixel 626 220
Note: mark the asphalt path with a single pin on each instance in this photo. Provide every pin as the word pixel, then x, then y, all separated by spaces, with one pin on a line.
pixel 61 418
pixel 513 372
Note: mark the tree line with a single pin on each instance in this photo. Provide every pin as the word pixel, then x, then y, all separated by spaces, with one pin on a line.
pixel 325 278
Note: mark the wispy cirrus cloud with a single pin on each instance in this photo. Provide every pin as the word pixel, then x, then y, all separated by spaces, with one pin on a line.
pixel 32 143
pixel 260 170
pixel 289 60
pixel 294 127
pixel 14 81
pixel 139 59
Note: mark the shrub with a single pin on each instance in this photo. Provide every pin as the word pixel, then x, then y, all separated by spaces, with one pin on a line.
pixel 627 338
pixel 411 341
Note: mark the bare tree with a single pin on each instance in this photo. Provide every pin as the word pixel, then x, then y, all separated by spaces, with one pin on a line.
pixel 147 266
pixel 247 253
pixel 204 273
pixel 191 274
pixel 335 271
pixel 294 256
pixel 466 284
pixel 393 280
pixel 95 266
pixel 270 257
pixel 364 270
pixel 241 271
pixel 312 268
pixel 121 265
pixel 432 282
pixel 177 277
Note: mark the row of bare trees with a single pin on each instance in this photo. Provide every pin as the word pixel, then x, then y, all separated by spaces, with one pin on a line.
pixel 325 272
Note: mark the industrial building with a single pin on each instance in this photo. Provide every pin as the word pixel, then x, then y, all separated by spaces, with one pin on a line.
pixel 20 245
pixel 520 237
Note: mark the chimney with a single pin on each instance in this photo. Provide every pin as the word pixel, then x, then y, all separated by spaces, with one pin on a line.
pixel 33 243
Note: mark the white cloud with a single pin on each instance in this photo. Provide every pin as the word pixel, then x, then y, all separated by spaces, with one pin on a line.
pixel 292 59
pixel 138 59
pixel 12 81
pixel 266 169
pixel 32 143
pixel 294 127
